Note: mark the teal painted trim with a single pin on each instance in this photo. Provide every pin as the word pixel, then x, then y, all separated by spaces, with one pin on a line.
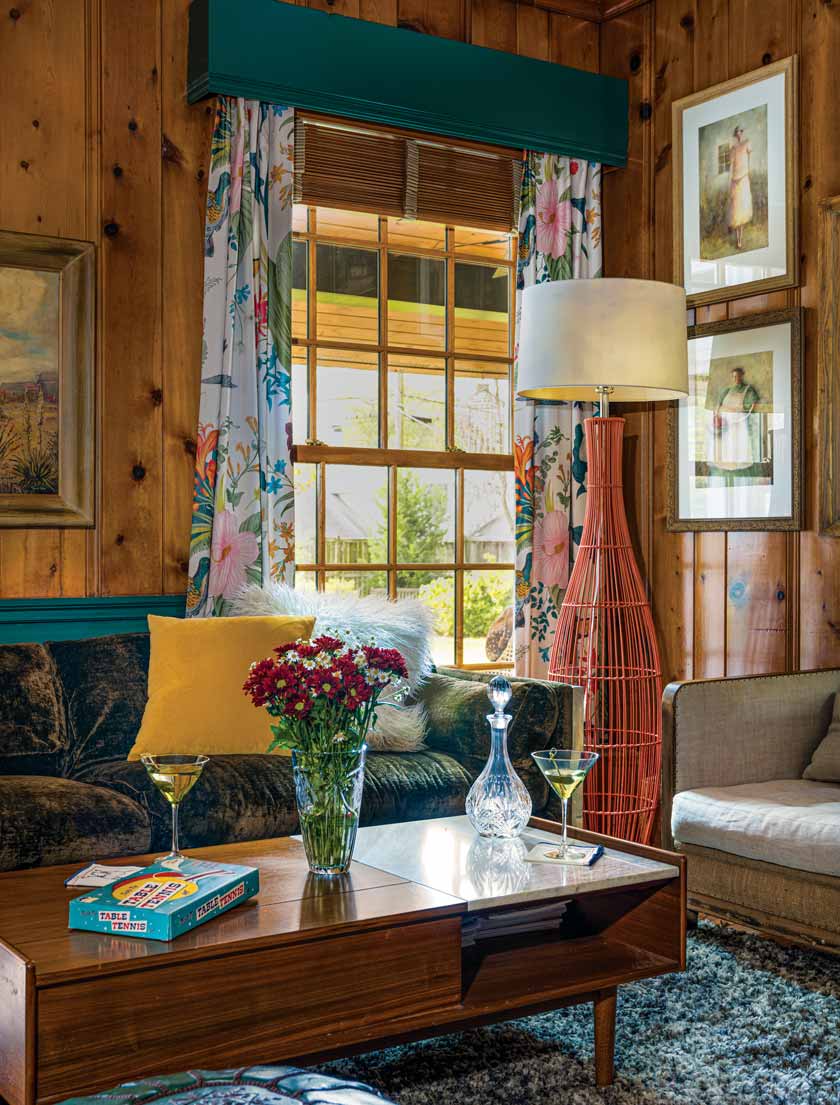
pixel 306 58
pixel 27 620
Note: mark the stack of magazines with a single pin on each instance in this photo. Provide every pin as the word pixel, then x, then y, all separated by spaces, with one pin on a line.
pixel 512 922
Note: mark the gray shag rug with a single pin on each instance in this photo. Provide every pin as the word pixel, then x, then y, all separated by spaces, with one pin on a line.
pixel 749 1023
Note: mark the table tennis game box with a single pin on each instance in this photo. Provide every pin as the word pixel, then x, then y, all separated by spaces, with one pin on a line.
pixel 166 899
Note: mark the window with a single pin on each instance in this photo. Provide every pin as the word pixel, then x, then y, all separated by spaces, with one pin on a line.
pixel 724 155
pixel 402 337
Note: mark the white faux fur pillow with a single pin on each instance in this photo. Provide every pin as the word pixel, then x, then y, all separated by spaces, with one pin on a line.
pixel 405 625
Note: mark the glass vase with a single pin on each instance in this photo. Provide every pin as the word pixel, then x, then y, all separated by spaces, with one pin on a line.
pixel 328 792
pixel 498 804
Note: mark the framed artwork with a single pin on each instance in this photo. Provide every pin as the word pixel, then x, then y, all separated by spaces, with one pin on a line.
pixel 734 443
pixel 735 186
pixel 47 425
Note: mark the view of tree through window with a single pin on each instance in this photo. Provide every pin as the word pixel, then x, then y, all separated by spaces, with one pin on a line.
pixel 402 399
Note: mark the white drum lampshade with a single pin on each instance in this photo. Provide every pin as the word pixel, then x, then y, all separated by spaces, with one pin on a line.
pixel 627 335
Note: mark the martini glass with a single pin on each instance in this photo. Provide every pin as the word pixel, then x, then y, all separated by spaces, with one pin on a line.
pixel 174 776
pixel 564 772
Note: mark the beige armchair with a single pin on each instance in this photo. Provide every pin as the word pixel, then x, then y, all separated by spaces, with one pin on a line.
pixel 763 844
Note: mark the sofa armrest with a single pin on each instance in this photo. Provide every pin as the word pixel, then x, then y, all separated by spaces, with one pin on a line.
pixel 544 715
pixel 723 732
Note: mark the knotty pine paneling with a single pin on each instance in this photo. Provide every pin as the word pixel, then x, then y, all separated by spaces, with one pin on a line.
pixel 99 143
pixel 45 179
pixel 733 603
pixel 185 140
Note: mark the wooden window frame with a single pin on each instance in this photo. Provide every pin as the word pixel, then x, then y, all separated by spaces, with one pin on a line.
pixel 321 455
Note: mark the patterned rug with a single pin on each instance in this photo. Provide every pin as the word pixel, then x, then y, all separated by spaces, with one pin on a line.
pixel 748 1023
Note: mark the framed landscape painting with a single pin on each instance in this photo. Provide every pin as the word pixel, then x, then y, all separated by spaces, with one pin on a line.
pixel 47 426
pixel 734 443
pixel 735 187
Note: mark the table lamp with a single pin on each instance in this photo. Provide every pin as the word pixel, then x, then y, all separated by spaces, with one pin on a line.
pixel 626 340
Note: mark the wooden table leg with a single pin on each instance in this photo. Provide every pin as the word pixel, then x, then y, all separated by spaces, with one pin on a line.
pixel 605 1037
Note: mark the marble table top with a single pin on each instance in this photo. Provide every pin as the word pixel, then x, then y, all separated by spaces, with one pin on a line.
pixel 446 854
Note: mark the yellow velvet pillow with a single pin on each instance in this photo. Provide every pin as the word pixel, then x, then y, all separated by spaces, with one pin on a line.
pixel 197 667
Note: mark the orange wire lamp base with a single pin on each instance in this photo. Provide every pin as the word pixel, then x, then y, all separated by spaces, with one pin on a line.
pixel 606 643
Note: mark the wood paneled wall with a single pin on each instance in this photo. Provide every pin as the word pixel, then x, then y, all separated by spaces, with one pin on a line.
pixel 97 142
pixel 733 603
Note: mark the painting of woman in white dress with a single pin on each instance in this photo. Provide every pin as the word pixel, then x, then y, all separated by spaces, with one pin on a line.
pixel 733 184
pixel 739 409
pixel 739 212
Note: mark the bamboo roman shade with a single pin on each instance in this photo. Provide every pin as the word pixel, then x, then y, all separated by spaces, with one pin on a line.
pixel 381 170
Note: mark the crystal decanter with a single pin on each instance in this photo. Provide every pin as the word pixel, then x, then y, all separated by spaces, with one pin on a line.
pixel 498 804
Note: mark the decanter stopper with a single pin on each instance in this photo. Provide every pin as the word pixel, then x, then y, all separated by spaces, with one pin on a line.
pixel 499 692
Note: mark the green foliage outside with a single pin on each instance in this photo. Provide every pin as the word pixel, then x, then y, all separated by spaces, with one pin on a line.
pixel 486 595
pixel 421 527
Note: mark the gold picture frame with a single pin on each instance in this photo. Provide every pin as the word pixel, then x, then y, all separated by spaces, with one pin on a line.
pixel 726 477
pixel 708 196
pixel 47 419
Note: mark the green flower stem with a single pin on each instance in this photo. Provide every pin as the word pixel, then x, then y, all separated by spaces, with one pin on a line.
pixel 328 788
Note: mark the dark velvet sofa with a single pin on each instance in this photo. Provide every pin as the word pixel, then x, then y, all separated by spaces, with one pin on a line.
pixel 70 710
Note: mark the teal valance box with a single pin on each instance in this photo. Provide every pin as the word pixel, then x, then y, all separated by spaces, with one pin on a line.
pixel 306 58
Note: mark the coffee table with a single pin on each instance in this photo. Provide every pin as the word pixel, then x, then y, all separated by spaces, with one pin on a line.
pixel 318 968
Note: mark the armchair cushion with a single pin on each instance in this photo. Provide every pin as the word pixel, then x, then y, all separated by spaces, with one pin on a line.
pixel 790 822
pixel 825 763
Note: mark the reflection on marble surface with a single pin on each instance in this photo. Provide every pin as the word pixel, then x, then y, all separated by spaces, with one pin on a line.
pixel 443 853
pixel 497 868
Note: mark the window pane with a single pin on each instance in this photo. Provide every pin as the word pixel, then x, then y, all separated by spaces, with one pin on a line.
pixel 299 216
pixel 346 224
pixel 488 617
pixel 416 301
pixel 357 583
pixel 416 402
pixel 438 593
pixel 305 581
pixel 299 274
pixel 484 243
pixel 415 232
pixel 356 514
pixel 425 517
pixel 488 518
pixel 300 397
pixel 481 309
pixel 482 407
pixel 347 398
pixel 306 485
pixel 347 284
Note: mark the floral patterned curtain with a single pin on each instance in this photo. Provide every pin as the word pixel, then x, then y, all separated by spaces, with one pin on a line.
pixel 243 499
pixel 559 239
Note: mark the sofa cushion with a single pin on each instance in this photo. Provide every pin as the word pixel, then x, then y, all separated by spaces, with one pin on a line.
pixel 197 667
pixel 791 822
pixel 825 762
pixel 33 735
pixel 236 798
pixel 104 682
pixel 410 786
pixel 46 821
pixel 251 797
pixel 457 710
